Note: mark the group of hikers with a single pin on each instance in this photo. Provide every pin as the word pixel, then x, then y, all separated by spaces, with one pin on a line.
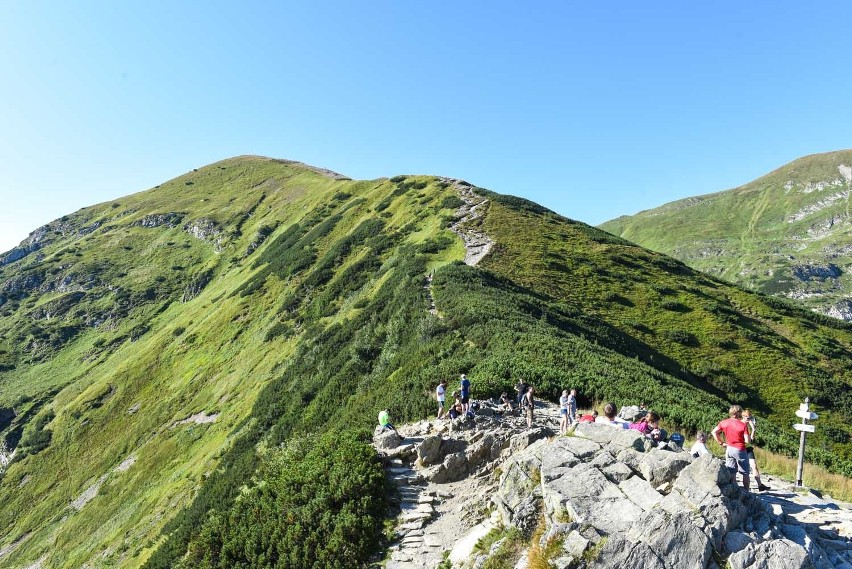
pixel 735 433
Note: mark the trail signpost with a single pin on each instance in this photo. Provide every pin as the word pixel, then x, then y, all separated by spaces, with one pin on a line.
pixel 805 414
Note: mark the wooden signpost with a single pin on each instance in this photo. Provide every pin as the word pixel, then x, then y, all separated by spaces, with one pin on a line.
pixel 805 415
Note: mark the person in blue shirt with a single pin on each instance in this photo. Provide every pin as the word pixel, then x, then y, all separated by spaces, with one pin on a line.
pixel 465 392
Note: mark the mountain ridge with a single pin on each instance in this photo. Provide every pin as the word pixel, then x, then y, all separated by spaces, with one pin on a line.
pixel 159 349
pixel 785 233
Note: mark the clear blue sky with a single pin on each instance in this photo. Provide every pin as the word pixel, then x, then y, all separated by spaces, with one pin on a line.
pixel 594 109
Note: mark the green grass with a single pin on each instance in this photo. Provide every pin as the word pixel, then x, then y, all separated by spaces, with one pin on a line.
pixel 748 235
pixel 326 322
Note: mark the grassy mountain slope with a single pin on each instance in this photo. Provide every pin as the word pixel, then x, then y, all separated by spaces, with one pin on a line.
pixel 288 302
pixel 786 233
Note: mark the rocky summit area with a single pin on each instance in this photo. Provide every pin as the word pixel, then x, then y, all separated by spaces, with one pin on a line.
pixel 487 491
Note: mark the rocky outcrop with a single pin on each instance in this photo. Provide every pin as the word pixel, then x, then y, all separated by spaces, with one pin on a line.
pixel 477 243
pixel 809 272
pixel 842 310
pixel 169 220
pixel 207 230
pixel 607 498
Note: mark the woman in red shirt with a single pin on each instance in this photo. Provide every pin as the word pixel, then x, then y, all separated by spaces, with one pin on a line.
pixel 736 437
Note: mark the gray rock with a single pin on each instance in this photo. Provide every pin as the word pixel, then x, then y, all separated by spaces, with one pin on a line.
pixel 455 466
pixel 429 451
pixel 640 492
pixel 617 472
pixel 628 438
pixel 601 434
pixel 479 451
pixel 737 541
pixel 775 554
pixel 631 413
pixel 674 538
pixel 621 552
pixel 659 467
pixel 588 497
pixel 386 441
pixel 522 440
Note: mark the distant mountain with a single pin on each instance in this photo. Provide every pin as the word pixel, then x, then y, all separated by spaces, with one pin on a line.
pixel 788 233
pixel 188 372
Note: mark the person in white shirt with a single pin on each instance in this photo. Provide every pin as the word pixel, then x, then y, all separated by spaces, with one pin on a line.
pixel 609 418
pixel 440 394
pixel 700 446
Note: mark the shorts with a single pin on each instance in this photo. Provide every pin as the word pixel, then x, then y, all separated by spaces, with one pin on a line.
pixel 529 409
pixel 563 411
pixel 465 399
pixel 750 452
pixel 736 460
pixel 441 403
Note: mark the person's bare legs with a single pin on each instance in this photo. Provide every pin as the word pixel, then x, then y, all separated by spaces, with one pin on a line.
pixel 745 481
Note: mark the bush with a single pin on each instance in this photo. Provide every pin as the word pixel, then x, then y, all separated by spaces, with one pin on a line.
pixel 320 505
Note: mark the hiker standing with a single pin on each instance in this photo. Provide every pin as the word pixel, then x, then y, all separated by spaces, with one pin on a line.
pixel 440 395
pixel 465 392
pixel 529 403
pixel 521 388
pixel 563 412
pixel 751 423
pixel 572 407
pixel 736 437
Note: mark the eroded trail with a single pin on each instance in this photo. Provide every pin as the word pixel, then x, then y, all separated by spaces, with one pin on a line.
pixel 476 242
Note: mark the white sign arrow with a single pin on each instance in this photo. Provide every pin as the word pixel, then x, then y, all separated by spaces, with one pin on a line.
pixel 809 415
pixel 805 428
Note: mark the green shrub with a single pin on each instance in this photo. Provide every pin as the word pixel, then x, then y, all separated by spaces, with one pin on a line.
pixel 320 504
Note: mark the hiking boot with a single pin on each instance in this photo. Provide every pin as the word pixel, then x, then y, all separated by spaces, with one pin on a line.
pixel 763 487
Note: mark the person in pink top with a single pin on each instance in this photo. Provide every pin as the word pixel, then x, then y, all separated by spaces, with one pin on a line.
pixel 736 437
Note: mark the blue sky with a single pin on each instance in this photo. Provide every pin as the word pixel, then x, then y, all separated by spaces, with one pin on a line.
pixel 594 109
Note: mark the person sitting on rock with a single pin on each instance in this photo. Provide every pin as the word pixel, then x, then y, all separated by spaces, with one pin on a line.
pixel 588 418
pixel 505 403
pixel 457 410
pixel 609 417
pixel 649 425
pixel 751 423
pixel 529 404
pixel 736 438
pixel 700 446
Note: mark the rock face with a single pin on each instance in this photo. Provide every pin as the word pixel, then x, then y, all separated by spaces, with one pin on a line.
pixel 607 498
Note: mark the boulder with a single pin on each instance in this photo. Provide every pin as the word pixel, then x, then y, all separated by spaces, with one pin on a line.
pixel 429 451
pixel 586 496
pixel 775 554
pixel 456 466
pixel 628 438
pixel 631 413
pixel 388 440
pixel 601 434
pixel 522 440
pixel 640 492
pixel 674 538
pixel 660 467
pixel 621 552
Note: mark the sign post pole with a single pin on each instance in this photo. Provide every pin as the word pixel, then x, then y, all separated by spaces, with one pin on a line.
pixel 805 415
